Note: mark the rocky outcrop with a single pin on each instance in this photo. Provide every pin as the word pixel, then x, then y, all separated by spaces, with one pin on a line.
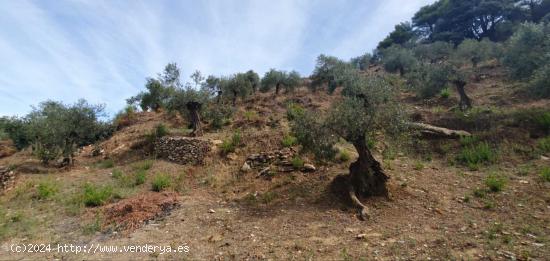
pixel 183 150
pixel 7 178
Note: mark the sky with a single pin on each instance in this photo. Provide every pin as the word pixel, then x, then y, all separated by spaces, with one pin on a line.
pixel 103 50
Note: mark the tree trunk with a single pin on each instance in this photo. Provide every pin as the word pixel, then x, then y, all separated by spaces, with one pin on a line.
pixel 277 88
pixel 219 97
pixel 194 108
pixel 366 176
pixel 465 102
pixel 401 71
pixel 234 98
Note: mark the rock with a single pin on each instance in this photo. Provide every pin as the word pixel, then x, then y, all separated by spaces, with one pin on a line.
pixel 183 150
pixel 264 171
pixel 216 142
pixel 309 168
pixel 246 168
pixel 211 211
pixel 361 236
pixel 7 178
pixel 232 156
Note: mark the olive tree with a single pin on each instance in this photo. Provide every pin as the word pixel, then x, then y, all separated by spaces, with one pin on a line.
pixel 433 52
pixel 236 86
pixel 329 71
pixel 254 80
pixel 280 79
pixel 362 62
pixel 368 107
pixel 190 102
pixel 213 86
pixel 56 129
pixel 527 50
pixel 398 59
pixel 159 90
pixel 474 51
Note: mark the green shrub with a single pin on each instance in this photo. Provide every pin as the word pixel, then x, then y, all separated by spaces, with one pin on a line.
pixel 117 174
pixel 289 141
pixel 96 196
pixel 445 93
pixel 545 174
pixel 542 120
pixel 495 183
pixel 544 144
pixel 161 182
pixel 46 190
pixel 297 162
pixel 344 156
pixel 140 177
pixel 106 164
pixel 474 155
pixel 229 145
pixel 144 165
pixel 525 50
pixel 250 115
pixel 294 110
pixel 418 166
pixel 539 85
pixel 468 140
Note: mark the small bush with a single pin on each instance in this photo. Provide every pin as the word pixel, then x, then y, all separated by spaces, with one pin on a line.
pixel 229 145
pixel 418 166
pixel 144 165
pixel 250 115
pixel 161 182
pixel 289 141
pixel 96 196
pixel 542 120
pixel 344 156
pixel 445 93
pixel 106 164
pixel 468 140
pixel 46 190
pixel 140 177
pixel 293 111
pixel 297 162
pixel 117 174
pixel 539 85
pixel 545 174
pixel 159 131
pixel 495 183
pixel 544 144
pixel 472 156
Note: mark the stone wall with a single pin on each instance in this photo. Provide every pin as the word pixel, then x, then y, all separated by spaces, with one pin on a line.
pixel 183 150
pixel 7 178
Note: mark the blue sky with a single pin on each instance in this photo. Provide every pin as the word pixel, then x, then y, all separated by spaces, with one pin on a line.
pixel 104 50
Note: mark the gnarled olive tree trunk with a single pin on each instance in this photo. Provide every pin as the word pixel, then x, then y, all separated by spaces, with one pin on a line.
pixel 277 88
pixel 194 109
pixel 465 102
pixel 366 177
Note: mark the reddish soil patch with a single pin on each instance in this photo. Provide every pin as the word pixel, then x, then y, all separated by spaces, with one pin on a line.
pixel 130 214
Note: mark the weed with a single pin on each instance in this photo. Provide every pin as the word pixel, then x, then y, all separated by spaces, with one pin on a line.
pixel 180 183
pixel 96 196
pixel 229 145
pixel 289 141
pixel 418 166
pixel 489 204
pixel 544 144
pixel 140 177
pixel 250 115
pixel 494 230
pixel 94 226
pixel 144 165
pixel 106 164
pixel 161 182
pixel 474 155
pixel 495 183
pixel 344 156
pixel 545 174
pixel 479 193
pixel 445 93
pixel 468 140
pixel 268 197
pixel 294 111
pixel 297 162
pixel 46 190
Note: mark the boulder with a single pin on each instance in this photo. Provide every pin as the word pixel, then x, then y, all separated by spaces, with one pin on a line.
pixel 309 168
pixel 246 168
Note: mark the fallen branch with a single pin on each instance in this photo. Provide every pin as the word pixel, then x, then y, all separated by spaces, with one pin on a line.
pixel 431 130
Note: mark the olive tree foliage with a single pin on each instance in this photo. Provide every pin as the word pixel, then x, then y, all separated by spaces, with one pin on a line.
pixel 527 50
pixel 362 62
pixel 236 86
pixel 56 129
pixel 15 129
pixel 159 89
pixel 433 52
pixel 190 102
pixel 398 59
pixel 280 79
pixel 329 72
pixel 368 107
pixel 539 84
pixel 474 51
pixel 254 80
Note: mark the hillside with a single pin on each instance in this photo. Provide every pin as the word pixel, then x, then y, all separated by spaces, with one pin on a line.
pixel 438 208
